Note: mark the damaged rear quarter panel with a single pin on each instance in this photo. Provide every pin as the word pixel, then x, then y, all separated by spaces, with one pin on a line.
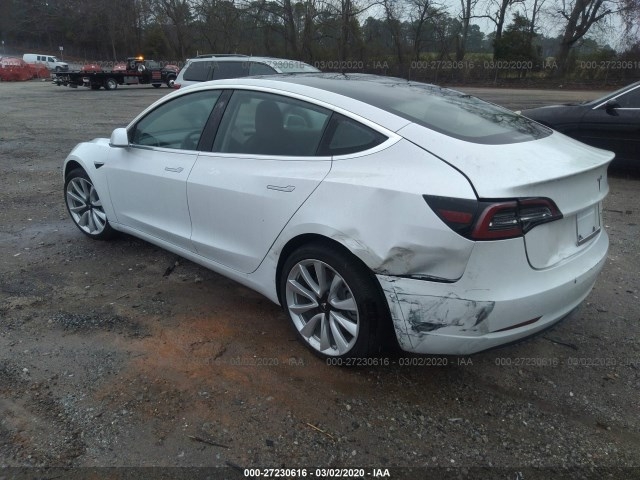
pixel 385 221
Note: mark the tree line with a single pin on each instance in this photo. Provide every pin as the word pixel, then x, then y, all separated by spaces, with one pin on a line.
pixel 401 37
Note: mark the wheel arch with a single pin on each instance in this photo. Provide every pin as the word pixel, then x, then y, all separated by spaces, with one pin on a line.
pixel 75 160
pixel 308 238
pixel 387 335
pixel 72 165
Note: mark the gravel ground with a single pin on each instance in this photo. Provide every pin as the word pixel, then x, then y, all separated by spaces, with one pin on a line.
pixel 120 354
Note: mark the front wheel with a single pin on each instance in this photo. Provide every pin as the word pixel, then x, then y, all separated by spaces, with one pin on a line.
pixel 333 301
pixel 85 207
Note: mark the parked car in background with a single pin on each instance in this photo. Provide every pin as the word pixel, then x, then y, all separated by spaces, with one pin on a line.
pixel 51 62
pixel 363 205
pixel 221 66
pixel 611 122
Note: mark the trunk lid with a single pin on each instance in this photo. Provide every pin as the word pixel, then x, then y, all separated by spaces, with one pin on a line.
pixel 568 172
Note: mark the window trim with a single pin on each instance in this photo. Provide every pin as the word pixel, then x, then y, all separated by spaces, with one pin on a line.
pixel 602 104
pixel 392 137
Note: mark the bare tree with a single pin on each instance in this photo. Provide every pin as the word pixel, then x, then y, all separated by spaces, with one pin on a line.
pixel 219 24
pixel 497 11
pixel 178 15
pixel 393 12
pixel 420 12
pixel 580 16
pixel 466 14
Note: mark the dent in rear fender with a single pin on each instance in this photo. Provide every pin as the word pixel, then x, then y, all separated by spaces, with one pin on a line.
pixel 416 316
pixel 374 206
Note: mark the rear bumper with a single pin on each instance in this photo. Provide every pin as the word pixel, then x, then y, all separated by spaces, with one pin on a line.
pixel 499 299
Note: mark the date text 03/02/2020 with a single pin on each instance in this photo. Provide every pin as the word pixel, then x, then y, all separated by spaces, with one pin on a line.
pixel 316 472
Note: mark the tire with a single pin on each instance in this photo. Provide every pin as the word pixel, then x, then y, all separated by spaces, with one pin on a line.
pixel 85 207
pixel 110 84
pixel 157 85
pixel 340 316
pixel 170 81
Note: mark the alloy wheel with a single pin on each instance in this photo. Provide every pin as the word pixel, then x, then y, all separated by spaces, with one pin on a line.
pixel 85 206
pixel 322 307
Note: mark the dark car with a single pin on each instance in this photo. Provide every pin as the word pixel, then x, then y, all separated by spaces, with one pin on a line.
pixel 611 122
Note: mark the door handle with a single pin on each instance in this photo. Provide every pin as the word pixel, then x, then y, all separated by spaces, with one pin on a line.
pixel 174 169
pixel 288 188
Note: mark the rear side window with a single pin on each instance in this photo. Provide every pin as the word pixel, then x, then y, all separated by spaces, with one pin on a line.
pixel 259 123
pixel 198 71
pixel 345 136
pixel 230 70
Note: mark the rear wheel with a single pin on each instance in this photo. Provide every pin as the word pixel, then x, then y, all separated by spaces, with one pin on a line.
pixel 333 301
pixel 110 84
pixel 85 207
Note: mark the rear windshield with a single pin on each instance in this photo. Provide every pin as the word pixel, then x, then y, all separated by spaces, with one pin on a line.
pixel 449 112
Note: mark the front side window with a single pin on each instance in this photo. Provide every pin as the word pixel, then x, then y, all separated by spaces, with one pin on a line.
pixel 176 124
pixel 266 124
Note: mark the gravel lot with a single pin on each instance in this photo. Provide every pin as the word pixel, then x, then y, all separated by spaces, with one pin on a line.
pixel 120 354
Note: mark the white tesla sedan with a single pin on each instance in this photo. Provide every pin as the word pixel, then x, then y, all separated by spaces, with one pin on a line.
pixel 364 205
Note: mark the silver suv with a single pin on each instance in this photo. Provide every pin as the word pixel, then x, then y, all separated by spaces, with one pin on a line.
pixel 221 66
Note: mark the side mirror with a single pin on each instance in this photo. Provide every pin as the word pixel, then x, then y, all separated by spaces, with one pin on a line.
pixel 610 107
pixel 119 138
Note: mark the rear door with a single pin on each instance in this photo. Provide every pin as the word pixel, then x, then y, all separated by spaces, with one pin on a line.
pixel 263 166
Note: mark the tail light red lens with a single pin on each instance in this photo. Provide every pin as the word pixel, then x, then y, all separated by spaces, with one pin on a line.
pixel 493 219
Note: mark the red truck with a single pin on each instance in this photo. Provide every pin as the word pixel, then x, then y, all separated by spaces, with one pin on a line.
pixel 135 71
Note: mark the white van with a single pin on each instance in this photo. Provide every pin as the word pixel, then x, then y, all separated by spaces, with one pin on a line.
pixel 51 62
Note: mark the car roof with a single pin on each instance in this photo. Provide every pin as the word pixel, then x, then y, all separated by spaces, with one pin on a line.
pixel 320 88
pixel 395 102
pixel 228 57
pixel 365 88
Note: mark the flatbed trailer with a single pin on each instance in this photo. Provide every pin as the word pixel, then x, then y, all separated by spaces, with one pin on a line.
pixel 136 72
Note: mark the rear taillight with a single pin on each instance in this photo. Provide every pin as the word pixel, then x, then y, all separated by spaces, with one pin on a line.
pixel 493 219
